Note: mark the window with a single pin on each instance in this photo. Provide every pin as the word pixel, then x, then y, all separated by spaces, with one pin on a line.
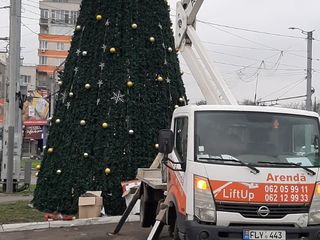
pixel 181 137
pixel 60 46
pixel 60 61
pixel 256 137
pixel 25 79
pixel 43 60
pixel 43 44
pixel 64 16
pixel 44 13
pixel 74 17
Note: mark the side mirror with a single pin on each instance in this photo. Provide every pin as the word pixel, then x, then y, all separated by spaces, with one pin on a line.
pixel 166 141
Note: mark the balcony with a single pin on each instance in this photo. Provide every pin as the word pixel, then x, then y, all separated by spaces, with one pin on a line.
pixel 44 21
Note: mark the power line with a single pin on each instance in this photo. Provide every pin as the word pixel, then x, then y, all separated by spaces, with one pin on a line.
pixel 249 30
pixel 29 28
pixel 246 29
pixel 288 86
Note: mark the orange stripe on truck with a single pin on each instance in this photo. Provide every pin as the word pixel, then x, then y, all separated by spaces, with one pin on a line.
pixel 262 192
pixel 176 189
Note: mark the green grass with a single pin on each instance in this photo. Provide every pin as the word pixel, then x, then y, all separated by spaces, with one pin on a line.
pixel 19 212
pixel 29 191
pixel 34 163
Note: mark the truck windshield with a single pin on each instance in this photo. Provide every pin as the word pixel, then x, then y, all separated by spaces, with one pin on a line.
pixel 257 138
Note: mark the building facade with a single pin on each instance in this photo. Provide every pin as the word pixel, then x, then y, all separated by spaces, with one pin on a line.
pixel 28 77
pixel 57 21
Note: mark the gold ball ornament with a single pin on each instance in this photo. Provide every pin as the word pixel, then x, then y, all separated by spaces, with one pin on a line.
pixel 83 122
pixel 105 125
pixel 113 50
pixel 181 99
pixel 70 94
pixel 130 84
pixel 169 49
pixel 38 167
pixel 176 106
pixel 60 83
pixel 36 174
pixel 84 53
pixel 86 155
pixel 78 27
pixel 160 78
pixel 131 132
pixel 50 150
pixel 134 26
pixel 58 120
pixel 152 39
pixel 107 171
pixel 87 86
pixel 59 171
pixel 156 146
pixel 99 17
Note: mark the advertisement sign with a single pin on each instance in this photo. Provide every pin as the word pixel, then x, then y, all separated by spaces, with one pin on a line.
pixel 33 132
pixel 1 112
pixel 263 192
pixel 36 109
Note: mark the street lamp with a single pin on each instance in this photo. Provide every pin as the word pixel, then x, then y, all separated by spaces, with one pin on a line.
pixel 309 66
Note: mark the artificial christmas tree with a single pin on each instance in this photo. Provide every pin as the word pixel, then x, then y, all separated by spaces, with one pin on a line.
pixel 120 85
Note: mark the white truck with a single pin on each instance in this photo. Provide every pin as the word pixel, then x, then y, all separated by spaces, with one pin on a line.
pixel 226 171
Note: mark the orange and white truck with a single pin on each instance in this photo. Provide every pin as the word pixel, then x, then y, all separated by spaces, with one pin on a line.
pixel 240 172
pixel 226 171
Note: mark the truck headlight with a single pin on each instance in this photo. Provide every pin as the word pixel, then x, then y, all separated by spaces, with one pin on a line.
pixel 314 212
pixel 204 206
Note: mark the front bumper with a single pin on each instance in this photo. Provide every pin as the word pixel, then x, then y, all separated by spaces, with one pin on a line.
pixel 197 231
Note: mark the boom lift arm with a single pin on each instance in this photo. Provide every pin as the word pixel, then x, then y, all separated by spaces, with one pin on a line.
pixel 210 82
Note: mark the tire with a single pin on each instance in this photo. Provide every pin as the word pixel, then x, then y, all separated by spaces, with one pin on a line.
pixel 176 232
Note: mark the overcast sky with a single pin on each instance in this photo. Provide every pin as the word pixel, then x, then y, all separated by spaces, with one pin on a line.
pixel 242 57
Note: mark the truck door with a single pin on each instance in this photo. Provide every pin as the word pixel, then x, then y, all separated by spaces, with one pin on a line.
pixel 179 154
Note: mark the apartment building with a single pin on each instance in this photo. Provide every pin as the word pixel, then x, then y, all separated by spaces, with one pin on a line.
pixel 57 21
pixel 28 77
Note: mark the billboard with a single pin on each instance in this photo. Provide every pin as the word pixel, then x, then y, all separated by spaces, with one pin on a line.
pixel 35 110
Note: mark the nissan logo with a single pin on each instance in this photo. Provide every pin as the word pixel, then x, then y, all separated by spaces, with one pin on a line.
pixel 263 211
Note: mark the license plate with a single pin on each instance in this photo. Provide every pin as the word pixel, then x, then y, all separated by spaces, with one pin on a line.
pixel 264 235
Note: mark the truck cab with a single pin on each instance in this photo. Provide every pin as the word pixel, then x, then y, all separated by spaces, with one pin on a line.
pixel 243 172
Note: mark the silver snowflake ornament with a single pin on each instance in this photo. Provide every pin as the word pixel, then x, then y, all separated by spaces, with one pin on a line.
pixel 101 65
pixel 100 83
pixel 78 52
pixel 118 97
pixel 104 47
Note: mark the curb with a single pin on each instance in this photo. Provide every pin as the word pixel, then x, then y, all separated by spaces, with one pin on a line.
pixel 58 224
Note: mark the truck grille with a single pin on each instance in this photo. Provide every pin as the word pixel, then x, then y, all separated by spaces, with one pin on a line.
pixel 251 211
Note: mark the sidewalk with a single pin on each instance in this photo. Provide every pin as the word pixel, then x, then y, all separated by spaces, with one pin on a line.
pixel 5 198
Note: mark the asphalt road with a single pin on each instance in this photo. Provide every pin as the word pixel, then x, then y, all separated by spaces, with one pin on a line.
pixel 130 231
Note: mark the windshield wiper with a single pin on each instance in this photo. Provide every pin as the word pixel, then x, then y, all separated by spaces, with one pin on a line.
pixel 310 172
pixel 254 170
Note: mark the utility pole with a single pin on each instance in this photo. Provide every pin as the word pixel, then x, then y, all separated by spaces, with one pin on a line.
pixel 14 76
pixel 310 90
pixel 309 72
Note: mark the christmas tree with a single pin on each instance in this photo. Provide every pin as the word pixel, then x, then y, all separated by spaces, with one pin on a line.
pixel 120 86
